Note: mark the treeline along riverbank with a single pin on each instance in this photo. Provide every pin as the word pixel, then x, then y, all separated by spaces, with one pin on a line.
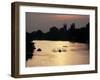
pixel 71 34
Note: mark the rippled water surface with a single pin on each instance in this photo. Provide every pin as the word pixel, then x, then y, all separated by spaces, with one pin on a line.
pixel 58 53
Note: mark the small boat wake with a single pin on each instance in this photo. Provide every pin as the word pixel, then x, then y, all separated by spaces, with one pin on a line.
pixel 59 50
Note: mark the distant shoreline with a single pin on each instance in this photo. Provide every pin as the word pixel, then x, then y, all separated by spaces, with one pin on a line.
pixel 61 40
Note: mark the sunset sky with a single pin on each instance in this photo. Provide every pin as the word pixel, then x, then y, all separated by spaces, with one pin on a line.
pixel 43 21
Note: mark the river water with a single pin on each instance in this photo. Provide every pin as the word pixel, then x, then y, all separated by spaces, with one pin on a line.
pixel 58 53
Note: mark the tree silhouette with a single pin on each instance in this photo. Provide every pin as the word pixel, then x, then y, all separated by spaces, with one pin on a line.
pixel 72 27
pixel 72 34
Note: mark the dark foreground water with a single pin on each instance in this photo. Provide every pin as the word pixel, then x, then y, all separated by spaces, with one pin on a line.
pixel 58 53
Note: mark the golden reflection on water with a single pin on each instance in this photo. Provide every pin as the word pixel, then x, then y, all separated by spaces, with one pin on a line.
pixel 69 54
